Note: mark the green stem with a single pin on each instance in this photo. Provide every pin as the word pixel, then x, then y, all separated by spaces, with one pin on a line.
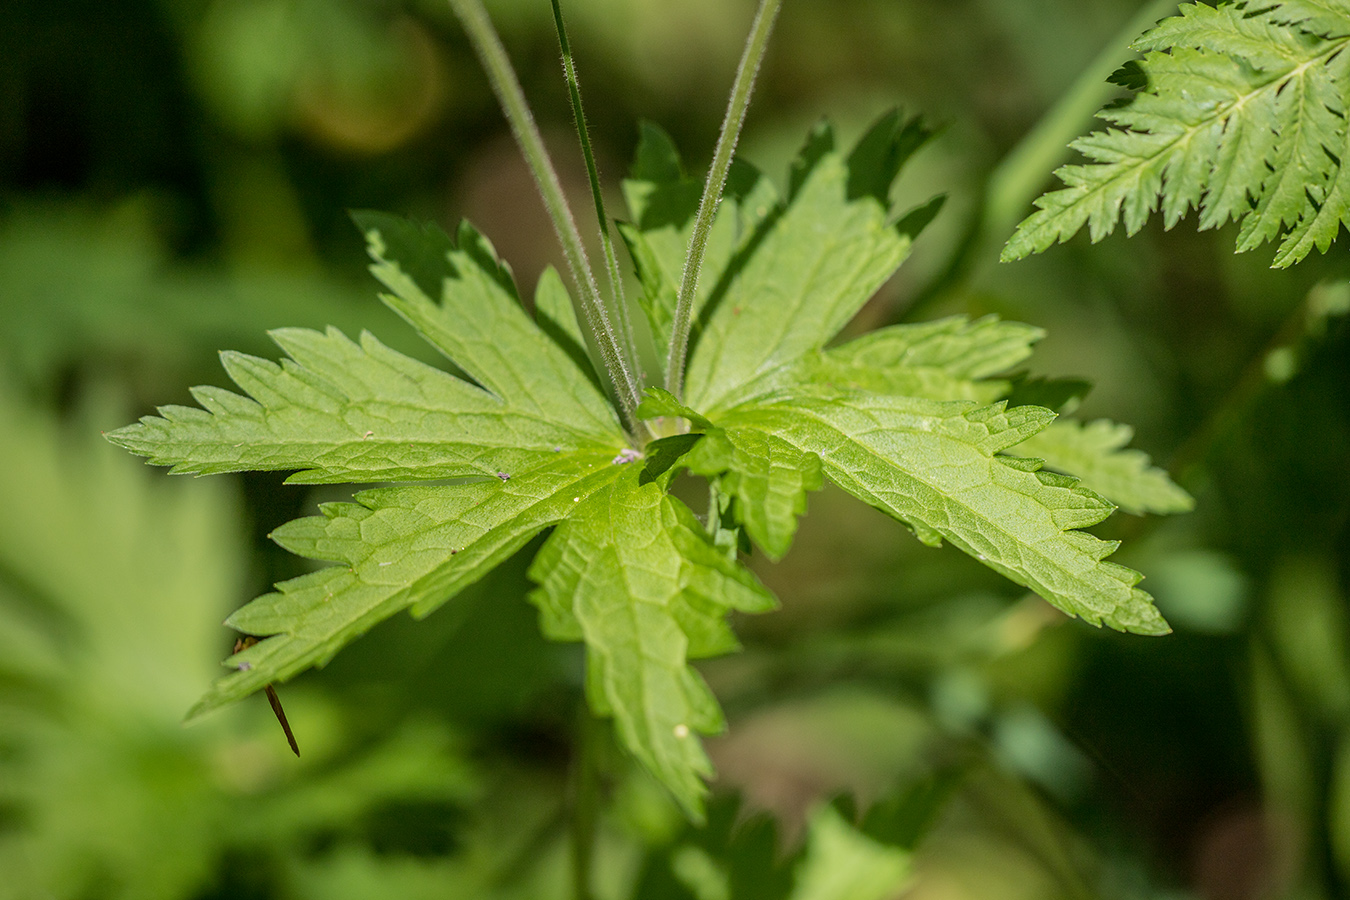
pixel 517 111
pixel 1022 174
pixel 618 305
pixel 585 790
pixel 744 84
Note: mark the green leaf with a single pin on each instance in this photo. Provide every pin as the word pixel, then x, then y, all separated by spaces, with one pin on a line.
pixel 900 418
pixel 1226 29
pixel 1242 117
pixel 767 478
pixel 633 574
pixel 1095 452
pixel 339 411
pixel 935 466
pixel 829 248
pixel 663 202
pixel 841 863
pixel 463 301
pixel 1327 18
pixel 397 548
pixel 659 402
pixel 947 359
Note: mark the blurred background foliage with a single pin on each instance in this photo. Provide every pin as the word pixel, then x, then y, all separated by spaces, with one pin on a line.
pixel 174 179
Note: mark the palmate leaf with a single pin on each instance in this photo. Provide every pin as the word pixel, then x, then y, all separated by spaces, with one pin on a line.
pixel 882 413
pixel 515 436
pixel 1242 116
pixel 338 411
pixel 545 446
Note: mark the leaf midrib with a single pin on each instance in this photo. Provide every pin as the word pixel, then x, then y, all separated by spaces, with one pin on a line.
pixel 1187 133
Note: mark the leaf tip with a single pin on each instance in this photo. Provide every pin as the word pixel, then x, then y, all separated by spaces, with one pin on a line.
pixel 126 437
pixel 209 702
pixel 656 158
pixel 1013 251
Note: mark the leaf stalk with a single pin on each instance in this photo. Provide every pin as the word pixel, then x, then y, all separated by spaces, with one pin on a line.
pixel 488 46
pixel 585 801
pixel 618 304
pixel 738 103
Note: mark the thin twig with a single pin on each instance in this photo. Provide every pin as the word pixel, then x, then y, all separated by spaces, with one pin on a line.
pixel 739 101
pixel 517 111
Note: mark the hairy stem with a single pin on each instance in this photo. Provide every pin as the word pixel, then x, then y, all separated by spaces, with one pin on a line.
pixel 512 99
pixel 1022 174
pixel 744 84
pixel 618 305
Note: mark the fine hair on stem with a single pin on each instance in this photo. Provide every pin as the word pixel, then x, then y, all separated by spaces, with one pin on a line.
pixel 488 46
pixel 609 322
pixel 737 104
pixel 618 304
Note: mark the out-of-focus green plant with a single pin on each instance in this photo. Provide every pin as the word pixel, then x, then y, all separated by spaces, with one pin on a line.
pixel 95 288
pixel 102 791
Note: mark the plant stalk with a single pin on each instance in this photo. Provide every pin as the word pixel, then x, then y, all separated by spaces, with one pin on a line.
pixel 488 46
pixel 618 304
pixel 742 87
pixel 585 801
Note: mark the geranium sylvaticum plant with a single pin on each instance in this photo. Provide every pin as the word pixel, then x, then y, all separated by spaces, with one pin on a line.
pixel 543 422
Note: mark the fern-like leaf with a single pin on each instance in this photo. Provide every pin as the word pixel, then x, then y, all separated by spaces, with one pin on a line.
pixel 1242 117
